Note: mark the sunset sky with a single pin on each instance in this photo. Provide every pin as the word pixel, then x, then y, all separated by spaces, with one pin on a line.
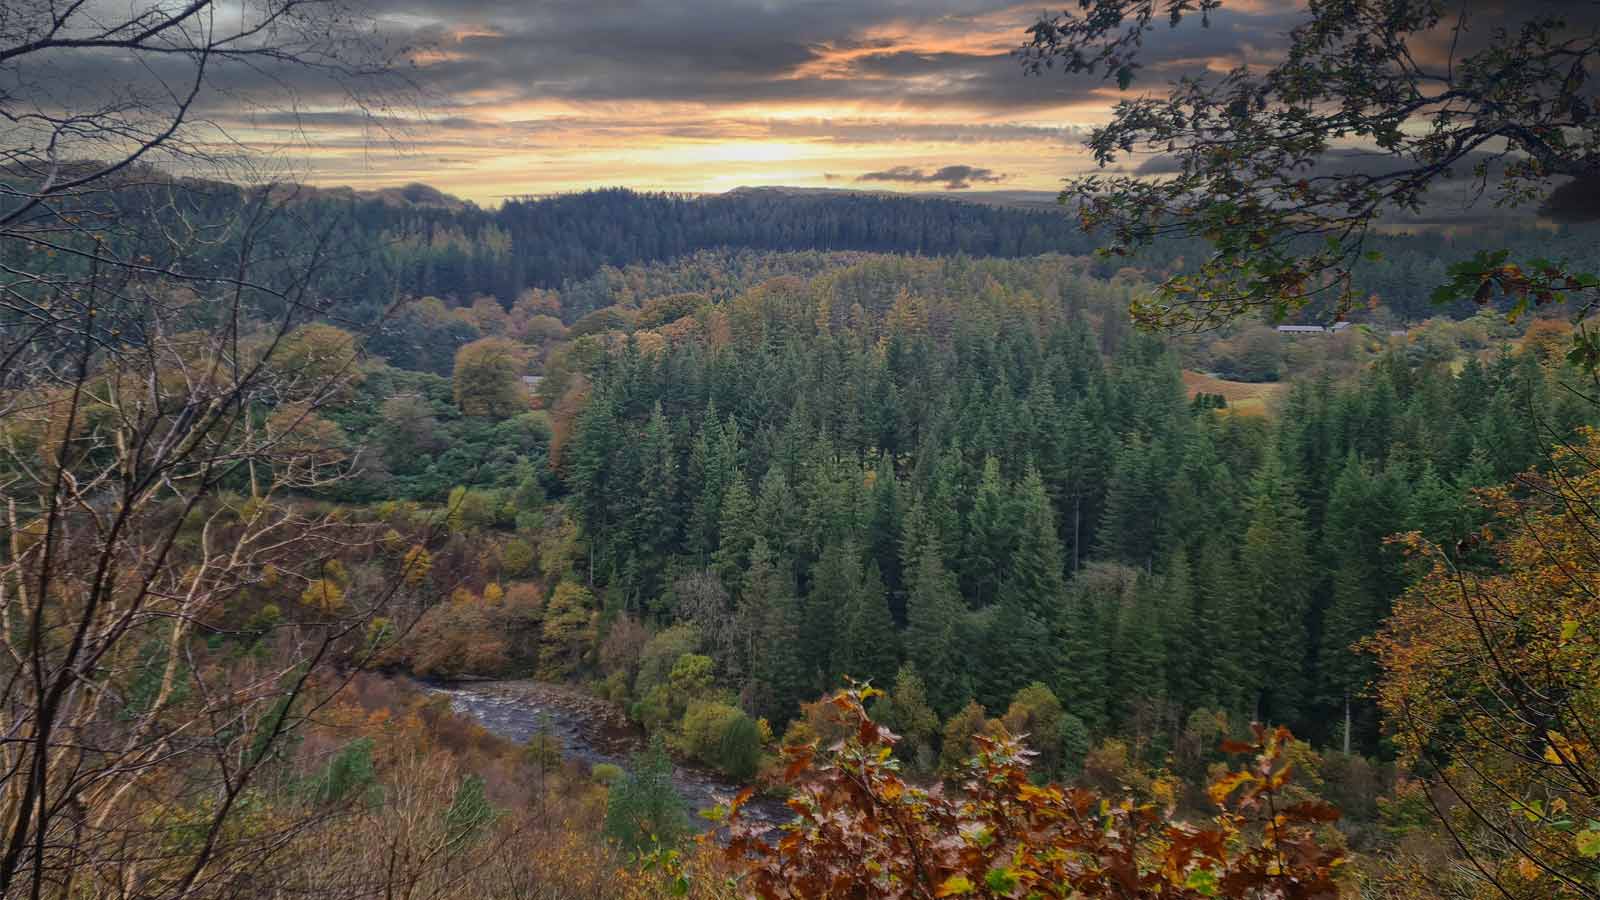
pixel 708 95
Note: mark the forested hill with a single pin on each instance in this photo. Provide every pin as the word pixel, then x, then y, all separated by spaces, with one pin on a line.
pixel 571 236
pixel 415 242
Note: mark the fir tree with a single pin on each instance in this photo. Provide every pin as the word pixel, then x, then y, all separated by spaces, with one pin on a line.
pixel 933 610
pixel 990 537
pixel 869 651
pixel 779 682
pixel 1274 601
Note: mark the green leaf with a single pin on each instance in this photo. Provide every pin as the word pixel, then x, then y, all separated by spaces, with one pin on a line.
pixel 1588 841
pixel 1203 882
pixel 1001 880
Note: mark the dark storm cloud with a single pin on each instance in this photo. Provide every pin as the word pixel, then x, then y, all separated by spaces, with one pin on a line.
pixel 954 178
pixel 738 51
pixel 905 54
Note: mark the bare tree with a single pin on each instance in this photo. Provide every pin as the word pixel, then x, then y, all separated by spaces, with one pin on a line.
pixel 161 443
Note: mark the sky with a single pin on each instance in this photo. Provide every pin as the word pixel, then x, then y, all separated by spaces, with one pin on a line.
pixel 529 97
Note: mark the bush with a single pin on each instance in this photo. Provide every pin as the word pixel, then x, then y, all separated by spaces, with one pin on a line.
pixel 1260 844
pixel 516 558
pixel 1075 741
pixel 690 677
pixel 739 755
pixel 607 774
pixel 957 748
pixel 659 654
pixel 643 808
pixel 1036 713
pixel 723 737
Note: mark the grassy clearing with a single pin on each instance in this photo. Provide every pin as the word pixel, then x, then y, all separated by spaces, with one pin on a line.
pixel 1244 398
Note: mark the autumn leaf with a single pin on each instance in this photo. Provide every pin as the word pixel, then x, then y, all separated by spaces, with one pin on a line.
pixel 954 886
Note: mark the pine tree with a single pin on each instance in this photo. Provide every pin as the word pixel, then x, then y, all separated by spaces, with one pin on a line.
pixel 1018 650
pixel 835 584
pixel 714 466
pixel 870 650
pixel 1140 652
pixel 1085 441
pixel 1220 682
pixel 1362 511
pixel 883 532
pixel 1183 653
pixel 1275 594
pixel 779 684
pixel 1034 577
pixel 990 537
pixel 1087 619
pixel 656 516
pixel 739 530
pixel 933 609
pixel 1128 529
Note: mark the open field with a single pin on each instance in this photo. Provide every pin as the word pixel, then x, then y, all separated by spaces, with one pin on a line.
pixel 1244 398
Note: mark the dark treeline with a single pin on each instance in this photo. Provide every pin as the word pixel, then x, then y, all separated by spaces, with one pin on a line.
pixel 415 242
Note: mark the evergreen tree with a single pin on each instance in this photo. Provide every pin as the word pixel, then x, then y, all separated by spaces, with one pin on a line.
pixel 1274 601
pixel 1034 577
pixel 1182 633
pixel 1140 652
pixel 835 585
pixel 869 650
pixel 739 530
pixel 1128 530
pixel 1018 649
pixel 933 611
pixel 990 536
pixel 779 681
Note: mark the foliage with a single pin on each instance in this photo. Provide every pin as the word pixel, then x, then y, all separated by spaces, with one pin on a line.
pixel 1491 682
pixel 643 809
pixel 1260 169
pixel 863 831
pixel 488 378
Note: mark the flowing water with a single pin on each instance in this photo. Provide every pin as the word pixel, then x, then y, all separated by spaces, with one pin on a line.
pixel 590 730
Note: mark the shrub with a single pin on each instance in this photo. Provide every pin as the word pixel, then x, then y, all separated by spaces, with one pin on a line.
pixel 957 746
pixel 1036 713
pixel 607 774
pixel 643 808
pixel 691 676
pixel 1075 741
pixel 516 558
pixel 739 755
pixel 659 654
pixel 723 737
pixel 1005 837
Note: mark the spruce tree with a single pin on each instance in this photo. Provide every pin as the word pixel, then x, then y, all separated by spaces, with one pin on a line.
pixel 1128 529
pixel 1017 650
pixel 738 527
pixel 1140 652
pixel 1034 576
pixel 1275 593
pixel 870 647
pixel 835 584
pixel 779 684
pixel 990 537
pixel 933 611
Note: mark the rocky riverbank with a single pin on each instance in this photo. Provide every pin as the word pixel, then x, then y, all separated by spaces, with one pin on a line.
pixel 591 731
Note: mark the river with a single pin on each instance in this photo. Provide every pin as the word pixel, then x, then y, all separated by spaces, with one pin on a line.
pixel 590 730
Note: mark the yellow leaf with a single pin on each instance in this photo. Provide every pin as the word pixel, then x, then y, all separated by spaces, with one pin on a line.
pixel 1222 787
pixel 955 885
